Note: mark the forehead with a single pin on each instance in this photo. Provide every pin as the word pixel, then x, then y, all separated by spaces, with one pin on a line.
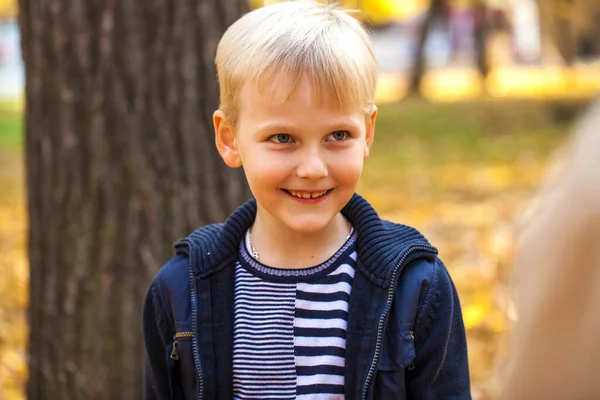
pixel 284 93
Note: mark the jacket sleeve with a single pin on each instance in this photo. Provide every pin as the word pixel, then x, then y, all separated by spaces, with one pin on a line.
pixel 440 369
pixel 157 331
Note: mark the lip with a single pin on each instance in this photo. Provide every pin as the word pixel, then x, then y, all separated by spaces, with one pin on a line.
pixel 310 200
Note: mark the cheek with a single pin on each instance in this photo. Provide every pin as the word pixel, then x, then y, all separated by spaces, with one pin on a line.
pixel 266 170
pixel 348 168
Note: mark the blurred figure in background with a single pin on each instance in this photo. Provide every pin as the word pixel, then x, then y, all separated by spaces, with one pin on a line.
pixel 556 342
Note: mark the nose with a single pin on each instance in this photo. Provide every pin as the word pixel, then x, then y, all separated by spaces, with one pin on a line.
pixel 311 164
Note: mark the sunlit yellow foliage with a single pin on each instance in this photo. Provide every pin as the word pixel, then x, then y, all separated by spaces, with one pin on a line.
pixel 502 82
pixel 453 84
pixel 13 279
pixel 382 11
pixel 374 11
pixel 8 8
pixel 558 82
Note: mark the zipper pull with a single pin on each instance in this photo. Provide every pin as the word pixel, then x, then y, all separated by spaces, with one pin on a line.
pixel 175 353
pixel 411 366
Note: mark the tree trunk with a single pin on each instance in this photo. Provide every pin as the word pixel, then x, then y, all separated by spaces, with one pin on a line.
pixel 120 163
pixel 556 22
pixel 565 37
pixel 480 36
pixel 586 23
pixel 435 11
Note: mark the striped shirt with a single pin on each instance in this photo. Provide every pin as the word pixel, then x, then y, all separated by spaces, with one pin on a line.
pixel 290 327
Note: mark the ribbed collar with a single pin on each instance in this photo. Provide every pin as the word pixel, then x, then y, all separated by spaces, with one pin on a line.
pixel 381 245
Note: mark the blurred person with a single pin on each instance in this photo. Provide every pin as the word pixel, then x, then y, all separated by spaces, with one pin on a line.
pixel 556 340
pixel 304 292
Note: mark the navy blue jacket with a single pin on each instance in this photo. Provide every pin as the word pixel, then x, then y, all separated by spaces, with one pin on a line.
pixel 405 336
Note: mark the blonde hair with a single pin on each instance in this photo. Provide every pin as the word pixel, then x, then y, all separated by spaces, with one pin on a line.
pixel 293 41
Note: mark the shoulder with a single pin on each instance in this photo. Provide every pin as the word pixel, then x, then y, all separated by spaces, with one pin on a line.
pixel 414 287
pixel 425 294
pixel 172 274
pixel 383 245
pixel 206 232
pixel 158 304
pixel 213 246
pixel 403 231
pixel 170 290
pixel 419 272
pixel 437 296
pixel 204 238
pixel 171 282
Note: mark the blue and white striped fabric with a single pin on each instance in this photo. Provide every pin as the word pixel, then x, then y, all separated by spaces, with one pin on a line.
pixel 290 328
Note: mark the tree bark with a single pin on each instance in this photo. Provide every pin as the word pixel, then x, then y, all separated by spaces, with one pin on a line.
pixel 436 10
pixel 586 23
pixel 120 163
pixel 556 23
pixel 480 36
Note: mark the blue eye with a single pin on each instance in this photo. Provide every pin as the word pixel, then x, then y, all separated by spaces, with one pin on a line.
pixel 281 138
pixel 339 136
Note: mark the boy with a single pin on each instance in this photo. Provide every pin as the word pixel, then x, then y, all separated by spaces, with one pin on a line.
pixel 303 292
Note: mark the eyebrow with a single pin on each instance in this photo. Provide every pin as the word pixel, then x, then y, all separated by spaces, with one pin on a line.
pixel 275 126
pixel 342 123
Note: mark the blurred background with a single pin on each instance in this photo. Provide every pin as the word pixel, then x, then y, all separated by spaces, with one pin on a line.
pixel 476 100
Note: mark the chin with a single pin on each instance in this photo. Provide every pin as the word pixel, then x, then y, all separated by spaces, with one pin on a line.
pixel 308 225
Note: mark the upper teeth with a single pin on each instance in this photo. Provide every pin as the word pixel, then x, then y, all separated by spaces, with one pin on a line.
pixel 307 195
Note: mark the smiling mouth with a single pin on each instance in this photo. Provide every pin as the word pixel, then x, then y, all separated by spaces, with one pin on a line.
pixel 307 195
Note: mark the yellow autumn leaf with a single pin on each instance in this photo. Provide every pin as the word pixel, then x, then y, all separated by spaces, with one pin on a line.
pixel 473 315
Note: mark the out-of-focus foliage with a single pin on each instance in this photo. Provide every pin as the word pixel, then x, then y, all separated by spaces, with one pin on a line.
pixel 13 259
pixel 533 82
pixel 460 172
pixel 383 11
pixel 8 8
pixel 374 11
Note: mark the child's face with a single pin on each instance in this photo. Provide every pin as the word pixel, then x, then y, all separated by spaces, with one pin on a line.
pixel 294 149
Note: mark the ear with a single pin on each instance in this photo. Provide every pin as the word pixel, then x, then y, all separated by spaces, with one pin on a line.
pixel 225 140
pixel 370 134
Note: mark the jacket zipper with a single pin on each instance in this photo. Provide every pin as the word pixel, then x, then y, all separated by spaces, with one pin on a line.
pixel 411 365
pixel 382 319
pixel 192 287
pixel 179 335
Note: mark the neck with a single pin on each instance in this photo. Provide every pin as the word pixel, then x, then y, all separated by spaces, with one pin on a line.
pixel 282 247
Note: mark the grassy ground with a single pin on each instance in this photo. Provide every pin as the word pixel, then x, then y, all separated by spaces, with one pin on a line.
pixel 488 131
pixel 11 125
pixel 462 150
pixel 460 172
